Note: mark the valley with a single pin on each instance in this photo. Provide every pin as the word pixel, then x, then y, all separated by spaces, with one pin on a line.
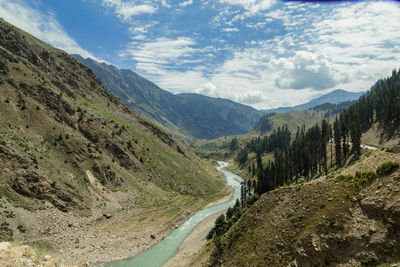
pixel 100 166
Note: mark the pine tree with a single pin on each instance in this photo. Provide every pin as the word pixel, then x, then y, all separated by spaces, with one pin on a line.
pixel 356 136
pixel 337 140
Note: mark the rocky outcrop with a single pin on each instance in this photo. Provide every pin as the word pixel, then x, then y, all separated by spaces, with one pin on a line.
pixel 106 175
pixel 165 137
pixel 31 184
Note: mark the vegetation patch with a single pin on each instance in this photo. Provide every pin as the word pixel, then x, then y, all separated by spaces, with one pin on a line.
pixel 359 179
pixel 6 234
pixel 387 168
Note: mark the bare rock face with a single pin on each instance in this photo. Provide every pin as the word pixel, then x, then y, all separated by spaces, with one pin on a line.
pixel 106 175
pixel 31 184
pixel 123 157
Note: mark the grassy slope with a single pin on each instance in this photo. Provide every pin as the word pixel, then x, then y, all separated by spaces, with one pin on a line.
pixel 219 148
pixel 322 222
pixel 295 119
pixel 44 94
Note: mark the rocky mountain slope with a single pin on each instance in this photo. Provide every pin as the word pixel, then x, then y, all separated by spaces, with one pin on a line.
pixel 76 163
pixel 349 218
pixel 192 115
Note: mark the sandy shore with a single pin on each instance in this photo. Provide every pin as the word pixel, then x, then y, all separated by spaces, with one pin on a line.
pixel 220 201
pixel 194 242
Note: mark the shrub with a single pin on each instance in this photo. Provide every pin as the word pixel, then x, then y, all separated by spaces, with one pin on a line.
pixel 360 178
pixel 363 178
pixel 210 234
pixel 345 178
pixel 387 168
pixel 21 228
pixel 6 234
pixel 250 200
pixel 218 242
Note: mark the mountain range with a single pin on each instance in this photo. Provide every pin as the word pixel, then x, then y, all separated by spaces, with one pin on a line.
pixel 186 114
pixel 191 115
pixel 335 97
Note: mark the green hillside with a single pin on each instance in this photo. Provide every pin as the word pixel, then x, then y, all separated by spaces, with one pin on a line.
pixel 324 198
pixel 327 222
pixel 298 118
pixel 191 115
pixel 68 146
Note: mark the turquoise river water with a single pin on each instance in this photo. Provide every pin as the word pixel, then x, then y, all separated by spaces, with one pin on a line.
pixel 161 252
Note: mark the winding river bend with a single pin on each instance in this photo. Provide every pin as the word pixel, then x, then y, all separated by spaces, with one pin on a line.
pixel 159 254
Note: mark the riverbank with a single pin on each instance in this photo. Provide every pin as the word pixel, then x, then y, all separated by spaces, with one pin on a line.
pixel 89 240
pixel 107 230
pixel 189 237
pixel 193 244
pixel 195 241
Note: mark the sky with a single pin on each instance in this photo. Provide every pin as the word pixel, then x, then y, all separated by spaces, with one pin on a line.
pixel 262 53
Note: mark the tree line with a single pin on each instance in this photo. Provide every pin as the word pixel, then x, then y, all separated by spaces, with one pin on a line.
pixel 306 155
pixel 278 140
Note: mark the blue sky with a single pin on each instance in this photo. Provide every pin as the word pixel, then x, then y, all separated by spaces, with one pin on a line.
pixel 263 53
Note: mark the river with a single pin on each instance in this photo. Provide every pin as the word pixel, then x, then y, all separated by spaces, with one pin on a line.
pixel 159 254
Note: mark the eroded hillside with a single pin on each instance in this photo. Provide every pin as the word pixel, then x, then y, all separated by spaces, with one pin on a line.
pixel 77 164
pixel 334 220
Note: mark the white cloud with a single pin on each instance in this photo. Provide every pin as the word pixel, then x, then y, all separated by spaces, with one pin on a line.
pixel 307 70
pixel 186 3
pixel 230 29
pixel 160 60
pixel 251 6
pixel 162 51
pixel 126 9
pixel 182 81
pixel 42 26
pixel 347 45
pixel 361 39
pixel 207 88
pixel 164 3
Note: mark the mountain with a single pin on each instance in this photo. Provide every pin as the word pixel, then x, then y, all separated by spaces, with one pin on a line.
pixel 78 164
pixel 335 97
pixel 190 114
pixel 328 222
pixel 322 197
pixel 297 118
